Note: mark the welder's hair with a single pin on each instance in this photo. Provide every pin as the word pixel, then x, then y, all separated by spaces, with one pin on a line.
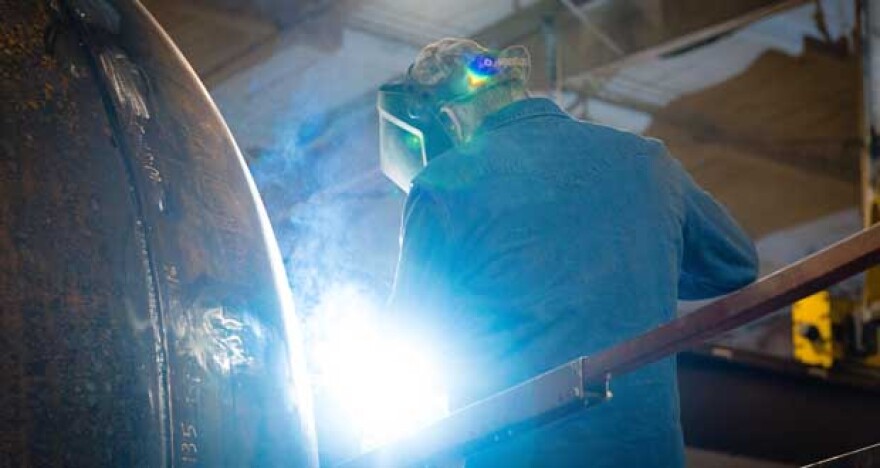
pixel 443 61
pixel 494 97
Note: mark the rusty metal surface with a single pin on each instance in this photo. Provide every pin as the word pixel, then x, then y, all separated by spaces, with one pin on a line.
pixel 542 399
pixel 144 315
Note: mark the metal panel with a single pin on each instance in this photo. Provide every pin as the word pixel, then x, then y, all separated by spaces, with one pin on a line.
pixel 145 316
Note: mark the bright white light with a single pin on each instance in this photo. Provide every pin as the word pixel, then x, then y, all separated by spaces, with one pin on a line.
pixel 387 386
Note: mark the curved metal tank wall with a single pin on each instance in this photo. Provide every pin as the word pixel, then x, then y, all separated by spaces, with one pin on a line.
pixel 144 315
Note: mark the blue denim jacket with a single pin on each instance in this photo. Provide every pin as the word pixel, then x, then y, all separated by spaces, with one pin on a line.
pixel 546 238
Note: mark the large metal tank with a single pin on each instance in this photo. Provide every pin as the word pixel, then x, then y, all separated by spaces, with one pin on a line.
pixel 144 315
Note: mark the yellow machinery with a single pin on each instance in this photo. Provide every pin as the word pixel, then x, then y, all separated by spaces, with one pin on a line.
pixel 821 329
pixel 828 329
pixel 812 338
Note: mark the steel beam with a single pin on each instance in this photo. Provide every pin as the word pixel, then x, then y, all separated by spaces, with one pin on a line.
pixel 686 39
pixel 639 30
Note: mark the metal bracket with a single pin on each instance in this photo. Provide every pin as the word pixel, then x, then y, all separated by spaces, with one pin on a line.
pixel 598 391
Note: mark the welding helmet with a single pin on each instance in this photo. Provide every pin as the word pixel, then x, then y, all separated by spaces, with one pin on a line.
pixel 411 132
pixel 414 123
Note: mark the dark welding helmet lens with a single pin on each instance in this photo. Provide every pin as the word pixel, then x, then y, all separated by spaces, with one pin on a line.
pixel 410 134
pixel 402 153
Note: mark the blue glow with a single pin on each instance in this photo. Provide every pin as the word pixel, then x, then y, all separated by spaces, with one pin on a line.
pixel 484 65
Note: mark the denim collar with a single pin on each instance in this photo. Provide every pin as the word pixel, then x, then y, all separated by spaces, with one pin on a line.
pixel 520 110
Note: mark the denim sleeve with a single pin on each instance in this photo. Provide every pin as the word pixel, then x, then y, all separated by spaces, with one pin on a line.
pixel 422 275
pixel 718 257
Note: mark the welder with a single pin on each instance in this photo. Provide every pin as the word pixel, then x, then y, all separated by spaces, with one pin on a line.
pixel 530 238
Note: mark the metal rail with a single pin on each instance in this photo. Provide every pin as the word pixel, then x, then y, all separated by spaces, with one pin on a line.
pixel 814 273
pixel 569 388
pixel 862 458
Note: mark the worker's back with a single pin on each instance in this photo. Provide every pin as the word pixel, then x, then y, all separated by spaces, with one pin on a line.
pixel 553 239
